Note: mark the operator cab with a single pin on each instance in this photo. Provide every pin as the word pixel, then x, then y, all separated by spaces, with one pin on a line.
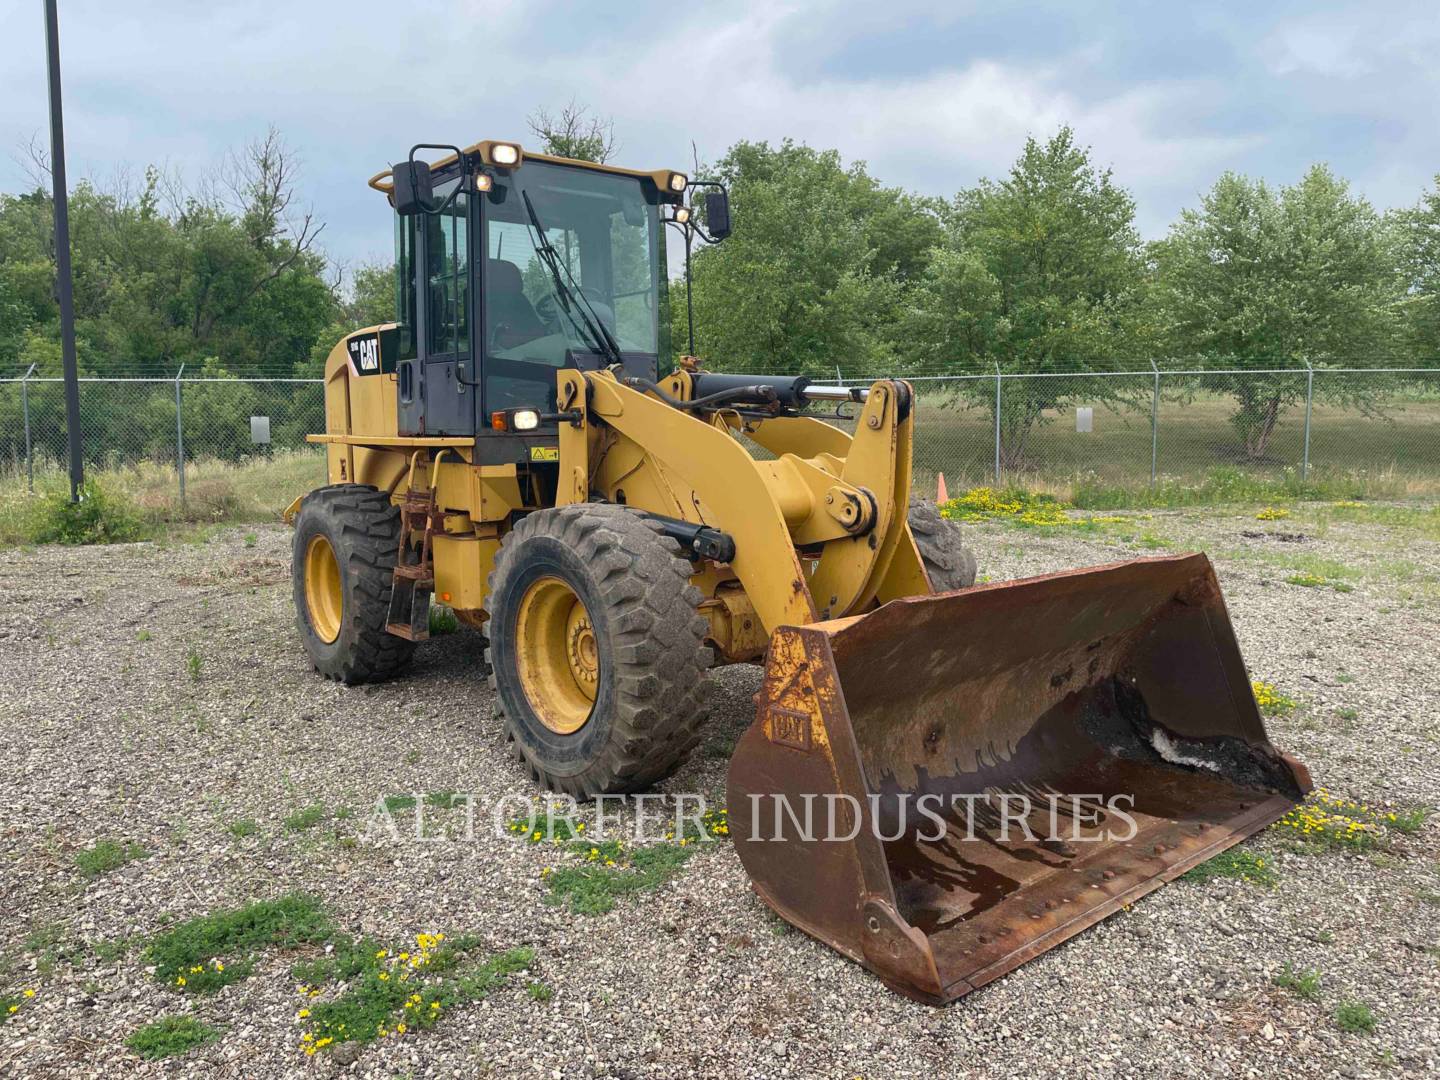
pixel 507 273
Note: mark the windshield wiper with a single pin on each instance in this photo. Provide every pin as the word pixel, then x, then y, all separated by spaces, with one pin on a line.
pixel 572 301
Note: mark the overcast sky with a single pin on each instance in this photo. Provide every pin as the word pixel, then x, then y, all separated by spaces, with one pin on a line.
pixel 932 96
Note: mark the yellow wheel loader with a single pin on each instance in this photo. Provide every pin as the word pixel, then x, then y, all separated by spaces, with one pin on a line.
pixel 942 779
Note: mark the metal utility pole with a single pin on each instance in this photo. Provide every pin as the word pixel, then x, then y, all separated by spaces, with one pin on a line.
pixel 64 284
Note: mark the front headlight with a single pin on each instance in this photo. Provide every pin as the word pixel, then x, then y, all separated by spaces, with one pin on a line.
pixel 505 154
pixel 524 420
pixel 678 181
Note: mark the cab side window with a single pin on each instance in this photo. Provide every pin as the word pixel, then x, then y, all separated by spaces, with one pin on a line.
pixel 405 284
pixel 447 266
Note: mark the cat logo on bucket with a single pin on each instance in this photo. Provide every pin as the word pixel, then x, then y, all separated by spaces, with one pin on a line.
pixel 790 728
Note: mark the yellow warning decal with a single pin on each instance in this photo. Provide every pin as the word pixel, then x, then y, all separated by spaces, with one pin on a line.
pixel 544 453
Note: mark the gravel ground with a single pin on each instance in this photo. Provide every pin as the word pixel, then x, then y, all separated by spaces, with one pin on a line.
pixel 156 695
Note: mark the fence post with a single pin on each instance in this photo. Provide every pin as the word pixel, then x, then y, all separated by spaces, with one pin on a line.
pixel 25 408
pixel 180 436
pixel 1154 426
pixel 1309 401
pixel 997 425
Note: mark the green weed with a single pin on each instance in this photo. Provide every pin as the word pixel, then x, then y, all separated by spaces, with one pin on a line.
pixel 1317 581
pixel 1355 1017
pixel 1234 863
pixel 108 950
pixel 446 800
pixel 188 956
pixel 193 663
pixel 1326 822
pixel 10 1004
pixel 307 818
pixel 389 994
pixel 106 855
pixel 442 620
pixel 1408 822
pixel 1304 984
pixel 45 937
pixel 538 991
pixel 1271 701
pixel 243 827
pixel 171 1035
pixel 593 889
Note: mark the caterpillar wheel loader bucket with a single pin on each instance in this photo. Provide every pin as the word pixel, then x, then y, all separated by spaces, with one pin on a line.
pixel 1078 739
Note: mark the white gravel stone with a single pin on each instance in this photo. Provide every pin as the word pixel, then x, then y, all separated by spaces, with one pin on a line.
pixel 106 735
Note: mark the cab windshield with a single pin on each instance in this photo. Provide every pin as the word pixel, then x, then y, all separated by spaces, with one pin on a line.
pixel 605 233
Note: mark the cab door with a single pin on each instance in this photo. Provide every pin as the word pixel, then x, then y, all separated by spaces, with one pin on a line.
pixel 446 345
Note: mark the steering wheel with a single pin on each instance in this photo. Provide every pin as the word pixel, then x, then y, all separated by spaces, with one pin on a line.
pixel 548 306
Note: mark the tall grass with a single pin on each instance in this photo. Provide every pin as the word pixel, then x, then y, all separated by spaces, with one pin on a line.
pixel 142 501
pixel 1371 456
pixel 1230 484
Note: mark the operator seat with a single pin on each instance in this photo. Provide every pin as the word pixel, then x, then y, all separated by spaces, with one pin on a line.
pixel 509 310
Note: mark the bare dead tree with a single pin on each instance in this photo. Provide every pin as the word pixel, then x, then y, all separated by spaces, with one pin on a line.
pixel 34 161
pixel 575 133
pixel 261 183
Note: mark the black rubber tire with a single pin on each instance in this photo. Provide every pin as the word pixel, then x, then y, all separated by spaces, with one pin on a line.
pixel 949 564
pixel 363 528
pixel 654 685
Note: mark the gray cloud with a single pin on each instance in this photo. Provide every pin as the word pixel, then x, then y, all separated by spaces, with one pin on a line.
pixel 1166 95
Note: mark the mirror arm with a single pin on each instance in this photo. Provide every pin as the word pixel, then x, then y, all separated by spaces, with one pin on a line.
pixel 459 156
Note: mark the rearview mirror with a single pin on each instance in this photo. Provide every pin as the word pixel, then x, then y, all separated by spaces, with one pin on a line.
pixel 414 191
pixel 717 214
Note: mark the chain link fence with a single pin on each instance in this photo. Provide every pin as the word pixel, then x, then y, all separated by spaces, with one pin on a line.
pixel 1378 428
pixel 1125 430
pixel 148 422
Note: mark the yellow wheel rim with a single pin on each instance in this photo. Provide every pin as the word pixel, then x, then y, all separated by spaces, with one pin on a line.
pixel 558 656
pixel 324 599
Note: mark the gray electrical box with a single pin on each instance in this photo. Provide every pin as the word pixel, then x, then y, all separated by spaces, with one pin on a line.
pixel 260 430
pixel 1084 418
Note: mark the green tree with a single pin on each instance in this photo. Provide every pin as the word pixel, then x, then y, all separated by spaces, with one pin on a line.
pixel 1417 233
pixel 165 276
pixel 1259 280
pixel 372 299
pixel 1042 273
pixel 814 276
pixel 370 303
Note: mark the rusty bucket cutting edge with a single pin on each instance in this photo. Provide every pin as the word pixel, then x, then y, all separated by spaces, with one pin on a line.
pixel 1082 738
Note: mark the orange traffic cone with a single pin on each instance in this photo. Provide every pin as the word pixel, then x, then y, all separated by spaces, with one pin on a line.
pixel 941 495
